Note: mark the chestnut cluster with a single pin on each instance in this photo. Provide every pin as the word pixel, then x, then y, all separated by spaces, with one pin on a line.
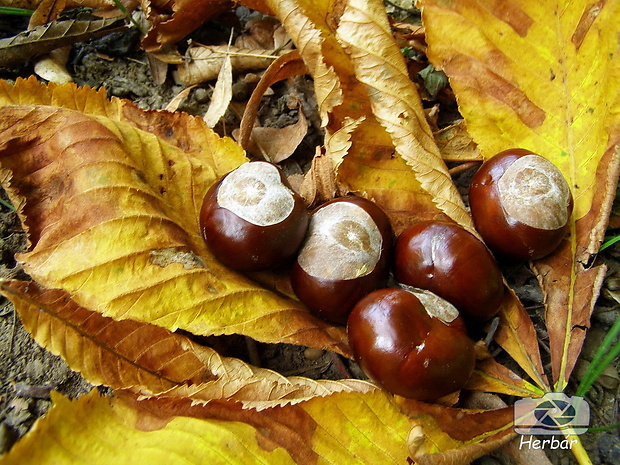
pixel 412 339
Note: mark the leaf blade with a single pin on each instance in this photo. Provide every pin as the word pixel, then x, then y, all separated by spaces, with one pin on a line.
pixel 543 77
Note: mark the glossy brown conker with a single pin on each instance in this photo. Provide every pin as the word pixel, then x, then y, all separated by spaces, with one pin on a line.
pixel 345 256
pixel 252 219
pixel 405 350
pixel 444 258
pixel 521 205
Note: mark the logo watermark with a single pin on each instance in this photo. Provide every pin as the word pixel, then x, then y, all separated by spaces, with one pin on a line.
pixel 555 413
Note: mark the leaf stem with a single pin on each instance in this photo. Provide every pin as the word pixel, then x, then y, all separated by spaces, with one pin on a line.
pixel 578 450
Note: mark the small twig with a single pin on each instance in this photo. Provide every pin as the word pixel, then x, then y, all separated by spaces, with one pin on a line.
pixel 492 331
pixel 462 167
pixel 237 54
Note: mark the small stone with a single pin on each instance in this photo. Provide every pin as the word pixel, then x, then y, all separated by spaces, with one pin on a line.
pixel 313 354
pixel 609 448
pixel 18 412
pixel 201 95
pixel 7 438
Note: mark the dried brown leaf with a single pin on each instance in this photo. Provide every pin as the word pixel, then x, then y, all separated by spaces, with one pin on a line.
pixel 203 63
pixel 287 65
pixel 174 19
pixel 30 44
pixel 277 144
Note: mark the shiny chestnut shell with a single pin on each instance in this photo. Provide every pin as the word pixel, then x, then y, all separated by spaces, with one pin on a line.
pixel 451 262
pixel 329 278
pixel 268 237
pixel 521 205
pixel 405 350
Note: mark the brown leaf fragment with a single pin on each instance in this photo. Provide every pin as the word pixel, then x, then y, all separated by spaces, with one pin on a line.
pixel 263 33
pixel 30 44
pixel 319 183
pixel 173 20
pixel 517 335
pixel 277 144
pixel 456 145
pixel 444 435
pixel 288 65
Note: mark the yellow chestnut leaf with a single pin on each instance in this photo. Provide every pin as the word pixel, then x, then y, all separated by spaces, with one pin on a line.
pixel 149 360
pixel 342 428
pixel 111 212
pixel 543 76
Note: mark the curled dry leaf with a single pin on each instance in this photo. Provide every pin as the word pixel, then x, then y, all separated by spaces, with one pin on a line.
pixel 108 197
pixel 172 20
pixel 222 94
pixel 562 103
pixel 439 438
pixel 287 65
pixel 204 62
pixel 456 145
pixel 277 144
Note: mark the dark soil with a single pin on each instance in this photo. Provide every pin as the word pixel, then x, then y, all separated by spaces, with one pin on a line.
pixel 28 372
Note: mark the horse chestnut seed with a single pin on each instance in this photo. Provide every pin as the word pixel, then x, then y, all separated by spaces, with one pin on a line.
pixel 345 256
pixel 451 262
pixel 405 349
pixel 521 204
pixel 252 219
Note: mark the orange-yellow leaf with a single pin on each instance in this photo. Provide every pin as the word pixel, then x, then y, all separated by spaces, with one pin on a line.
pixel 112 214
pixel 119 354
pixel 150 360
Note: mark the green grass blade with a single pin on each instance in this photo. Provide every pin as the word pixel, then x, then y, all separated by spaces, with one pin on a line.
pixel 609 243
pixel 8 10
pixel 603 357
